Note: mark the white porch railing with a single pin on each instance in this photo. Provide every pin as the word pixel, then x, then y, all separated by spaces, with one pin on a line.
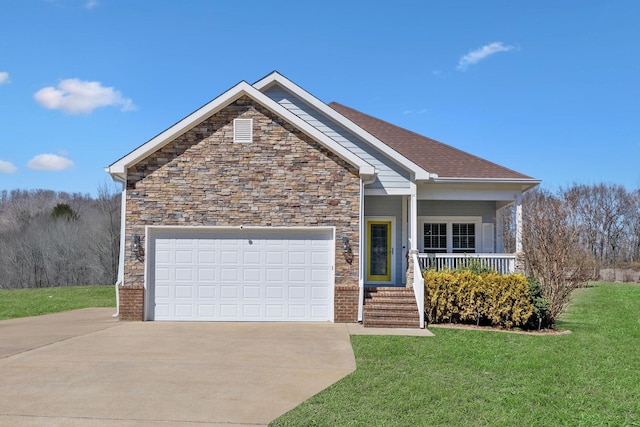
pixel 418 288
pixel 501 263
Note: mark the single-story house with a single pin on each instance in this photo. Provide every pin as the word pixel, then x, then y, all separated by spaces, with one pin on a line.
pixel 267 204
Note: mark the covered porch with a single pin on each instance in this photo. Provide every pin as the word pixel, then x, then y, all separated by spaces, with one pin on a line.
pixel 443 226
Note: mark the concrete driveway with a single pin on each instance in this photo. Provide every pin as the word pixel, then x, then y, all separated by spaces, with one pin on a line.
pixel 82 368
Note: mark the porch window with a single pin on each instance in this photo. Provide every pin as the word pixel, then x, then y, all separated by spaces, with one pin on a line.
pixel 450 236
pixel 435 238
pixel 464 238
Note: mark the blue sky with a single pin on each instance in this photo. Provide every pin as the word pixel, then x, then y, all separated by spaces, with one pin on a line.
pixel 550 89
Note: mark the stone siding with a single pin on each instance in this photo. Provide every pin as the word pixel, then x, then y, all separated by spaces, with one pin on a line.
pixel 282 178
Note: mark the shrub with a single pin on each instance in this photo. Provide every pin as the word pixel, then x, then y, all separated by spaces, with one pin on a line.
pixel 540 316
pixel 464 296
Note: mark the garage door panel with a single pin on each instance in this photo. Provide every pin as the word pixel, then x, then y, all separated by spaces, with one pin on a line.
pixel 274 275
pixel 251 275
pixel 229 311
pixel 229 275
pixel 251 257
pixel 205 291
pixel 206 274
pixel 229 292
pixel 183 275
pixel 251 292
pixel 206 311
pixel 297 258
pixel 274 292
pixel 251 311
pixel 269 274
pixel 274 311
pixel 206 257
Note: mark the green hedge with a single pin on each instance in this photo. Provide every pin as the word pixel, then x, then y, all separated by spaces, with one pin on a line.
pixel 467 297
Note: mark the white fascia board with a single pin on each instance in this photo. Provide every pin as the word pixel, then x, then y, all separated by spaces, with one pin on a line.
pixel 243 88
pixel 526 184
pixel 275 77
pixel 193 119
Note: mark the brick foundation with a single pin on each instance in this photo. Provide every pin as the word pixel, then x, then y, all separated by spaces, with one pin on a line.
pixel 131 302
pixel 346 304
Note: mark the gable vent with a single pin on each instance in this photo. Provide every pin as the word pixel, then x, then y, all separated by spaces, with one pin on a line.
pixel 242 130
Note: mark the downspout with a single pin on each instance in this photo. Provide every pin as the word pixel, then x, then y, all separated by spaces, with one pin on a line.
pixel 361 255
pixel 123 210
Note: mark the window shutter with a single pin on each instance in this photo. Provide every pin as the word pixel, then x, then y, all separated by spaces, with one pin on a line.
pixel 488 238
pixel 242 130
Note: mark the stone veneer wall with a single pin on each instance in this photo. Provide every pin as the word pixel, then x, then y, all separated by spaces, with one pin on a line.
pixel 282 178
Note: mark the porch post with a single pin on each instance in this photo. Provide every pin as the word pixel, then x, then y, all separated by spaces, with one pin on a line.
pixel 519 267
pixel 500 230
pixel 413 217
pixel 413 234
pixel 518 223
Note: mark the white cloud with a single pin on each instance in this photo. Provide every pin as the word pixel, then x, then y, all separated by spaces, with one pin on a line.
pixel 7 167
pixel 76 96
pixel 412 112
pixel 481 53
pixel 49 162
pixel 91 4
pixel 4 77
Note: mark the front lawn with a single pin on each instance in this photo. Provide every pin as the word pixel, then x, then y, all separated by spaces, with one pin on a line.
pixel 476 378
pixel 34 302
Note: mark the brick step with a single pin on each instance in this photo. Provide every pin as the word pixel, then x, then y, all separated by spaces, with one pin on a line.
pixel 389 291
pixel 391 306
pixel 391 323
pixel 391 300
pixel 385 314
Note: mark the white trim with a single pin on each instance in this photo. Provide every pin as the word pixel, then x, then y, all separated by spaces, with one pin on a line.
pixel 392 276
pixel 450 220
pixel 275 77
pixel 388 191
pixel 150 230
pixel 119 168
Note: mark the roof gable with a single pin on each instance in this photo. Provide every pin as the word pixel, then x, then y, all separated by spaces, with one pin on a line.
pixel 449 163
pixel 119 168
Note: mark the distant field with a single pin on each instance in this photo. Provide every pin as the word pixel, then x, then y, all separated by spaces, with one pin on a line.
pixel 34 302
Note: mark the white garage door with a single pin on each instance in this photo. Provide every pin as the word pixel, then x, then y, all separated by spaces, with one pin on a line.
pixel 242 275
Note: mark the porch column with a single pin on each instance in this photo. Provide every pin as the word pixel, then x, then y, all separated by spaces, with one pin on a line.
pixel 519 267
pixel 500 230
pixel 413 233
pixel 518 223
pixel 413 217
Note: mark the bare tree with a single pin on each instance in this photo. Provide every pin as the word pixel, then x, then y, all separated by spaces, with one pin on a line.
pixel 58 239
pixel 553 253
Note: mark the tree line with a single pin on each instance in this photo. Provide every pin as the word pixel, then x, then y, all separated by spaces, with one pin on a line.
pixel 50 238
pixel 571 235
pixel 603 219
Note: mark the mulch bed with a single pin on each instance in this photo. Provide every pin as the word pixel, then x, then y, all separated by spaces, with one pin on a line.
pixel 542 332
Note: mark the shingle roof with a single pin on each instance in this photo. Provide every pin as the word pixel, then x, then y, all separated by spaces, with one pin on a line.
pixel 433 156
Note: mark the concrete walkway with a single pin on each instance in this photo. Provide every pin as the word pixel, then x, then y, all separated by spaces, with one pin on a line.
pixel 82 368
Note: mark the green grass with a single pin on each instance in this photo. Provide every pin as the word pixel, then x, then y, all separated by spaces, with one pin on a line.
pixel 33 302
pixel 476 378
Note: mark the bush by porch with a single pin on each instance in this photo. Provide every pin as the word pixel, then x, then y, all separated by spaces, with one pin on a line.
pixel 485 298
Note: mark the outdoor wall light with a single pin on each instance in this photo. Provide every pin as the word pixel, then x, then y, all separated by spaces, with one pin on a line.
pixel 138 247
pixel 346 250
